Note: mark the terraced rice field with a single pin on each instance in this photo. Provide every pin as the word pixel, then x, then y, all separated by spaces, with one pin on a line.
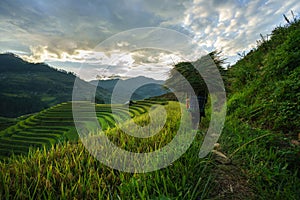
pixel 56 124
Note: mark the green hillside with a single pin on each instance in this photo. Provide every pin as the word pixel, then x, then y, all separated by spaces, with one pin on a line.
pixel 27 88
pixel 263 122
pixel 264 86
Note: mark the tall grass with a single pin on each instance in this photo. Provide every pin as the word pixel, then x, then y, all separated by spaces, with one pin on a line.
pixel 272 169
pixel 68 171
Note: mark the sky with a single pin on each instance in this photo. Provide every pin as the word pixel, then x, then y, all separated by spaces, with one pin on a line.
pixel 105 38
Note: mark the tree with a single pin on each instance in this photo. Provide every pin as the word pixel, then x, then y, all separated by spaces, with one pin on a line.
pixel 187 73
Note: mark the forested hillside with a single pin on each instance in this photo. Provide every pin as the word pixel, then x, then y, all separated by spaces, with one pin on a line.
pixel 27 87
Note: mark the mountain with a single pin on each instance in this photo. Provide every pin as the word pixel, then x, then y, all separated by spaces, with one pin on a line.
pixel 150 87
pixel 27 87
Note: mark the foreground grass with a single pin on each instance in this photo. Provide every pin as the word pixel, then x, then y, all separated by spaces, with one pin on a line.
pixel 68 171
pixel 268 160
pixel 264 165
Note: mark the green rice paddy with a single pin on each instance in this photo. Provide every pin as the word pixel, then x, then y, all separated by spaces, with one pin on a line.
pixel 55 125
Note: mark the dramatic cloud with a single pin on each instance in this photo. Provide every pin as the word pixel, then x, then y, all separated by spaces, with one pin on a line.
pixel 67 34
pixel 234 26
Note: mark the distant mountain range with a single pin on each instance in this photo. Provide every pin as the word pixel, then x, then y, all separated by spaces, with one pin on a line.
pixel 27 87
pixel 148 88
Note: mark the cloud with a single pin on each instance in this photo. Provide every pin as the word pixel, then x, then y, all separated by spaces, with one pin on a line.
pixel 234 26
pixel 38 54
pixel 70 31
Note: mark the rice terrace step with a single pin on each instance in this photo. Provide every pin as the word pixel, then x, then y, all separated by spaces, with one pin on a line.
pixel 55 124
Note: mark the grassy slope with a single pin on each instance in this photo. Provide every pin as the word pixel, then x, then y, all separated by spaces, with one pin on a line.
pixel 265 86
pixel 264 115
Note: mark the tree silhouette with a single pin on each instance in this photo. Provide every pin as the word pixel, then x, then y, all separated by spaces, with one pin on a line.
pixel 184 74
